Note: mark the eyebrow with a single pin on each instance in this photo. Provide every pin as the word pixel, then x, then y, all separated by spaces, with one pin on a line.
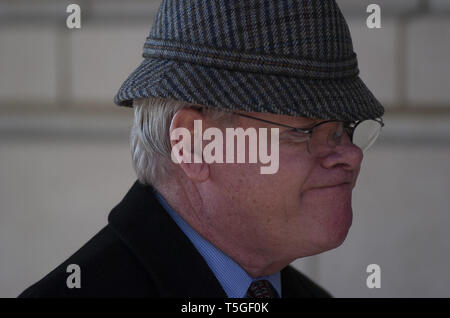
pixel 307 122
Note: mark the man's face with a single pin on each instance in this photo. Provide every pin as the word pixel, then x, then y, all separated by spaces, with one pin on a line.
pixel 296 212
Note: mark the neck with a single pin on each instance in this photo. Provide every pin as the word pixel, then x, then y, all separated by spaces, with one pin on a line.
pixel 183 196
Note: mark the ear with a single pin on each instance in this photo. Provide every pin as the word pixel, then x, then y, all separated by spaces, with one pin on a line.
pixel 187 124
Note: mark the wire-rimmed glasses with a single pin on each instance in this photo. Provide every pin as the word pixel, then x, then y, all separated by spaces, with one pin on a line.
pixel 329 133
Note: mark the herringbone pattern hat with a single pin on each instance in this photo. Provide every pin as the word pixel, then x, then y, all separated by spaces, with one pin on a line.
pixel 290 57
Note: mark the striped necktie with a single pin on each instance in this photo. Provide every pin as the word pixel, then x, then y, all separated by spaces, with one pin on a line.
pixel 261 289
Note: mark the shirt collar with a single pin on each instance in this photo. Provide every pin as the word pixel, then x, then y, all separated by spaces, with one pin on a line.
pixel 233 278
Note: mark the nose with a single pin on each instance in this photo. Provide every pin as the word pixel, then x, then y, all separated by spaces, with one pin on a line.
pixel 345 154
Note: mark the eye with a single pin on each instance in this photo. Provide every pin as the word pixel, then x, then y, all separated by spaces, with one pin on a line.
pixel 296 136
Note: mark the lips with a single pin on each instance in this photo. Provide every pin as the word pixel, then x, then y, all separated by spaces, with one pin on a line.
pixel 339 185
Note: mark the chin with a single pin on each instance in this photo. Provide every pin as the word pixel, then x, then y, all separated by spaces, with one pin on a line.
pixel 328 220
pixel 334 230
pixel 337 229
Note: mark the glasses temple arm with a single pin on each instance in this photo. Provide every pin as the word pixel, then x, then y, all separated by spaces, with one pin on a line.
pixel 263 120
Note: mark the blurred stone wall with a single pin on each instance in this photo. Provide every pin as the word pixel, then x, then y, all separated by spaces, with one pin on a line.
pixel 64 154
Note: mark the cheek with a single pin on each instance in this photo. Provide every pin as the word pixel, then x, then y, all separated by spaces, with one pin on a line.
pixel 295 168
pixel 244 187
pixel 281 191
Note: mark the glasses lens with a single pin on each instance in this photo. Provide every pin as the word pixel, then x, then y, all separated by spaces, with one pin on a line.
pixel 325 136
pixel 330 134
pixel 366 133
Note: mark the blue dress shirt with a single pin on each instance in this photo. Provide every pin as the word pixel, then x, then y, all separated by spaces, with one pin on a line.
pixel 233 278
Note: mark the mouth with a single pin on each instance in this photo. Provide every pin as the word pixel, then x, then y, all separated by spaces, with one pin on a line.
pixel 343 186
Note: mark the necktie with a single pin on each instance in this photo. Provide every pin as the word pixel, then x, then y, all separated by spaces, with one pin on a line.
pixel 261 289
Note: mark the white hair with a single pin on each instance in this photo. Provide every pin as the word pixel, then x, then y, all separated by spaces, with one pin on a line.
pixel 149 137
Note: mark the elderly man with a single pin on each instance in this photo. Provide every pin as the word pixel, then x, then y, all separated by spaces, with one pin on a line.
pixel 210 228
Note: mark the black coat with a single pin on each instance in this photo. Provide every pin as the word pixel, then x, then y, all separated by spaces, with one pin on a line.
pixel 143 253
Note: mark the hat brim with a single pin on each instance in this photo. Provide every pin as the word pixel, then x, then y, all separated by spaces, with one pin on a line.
pixel 341 99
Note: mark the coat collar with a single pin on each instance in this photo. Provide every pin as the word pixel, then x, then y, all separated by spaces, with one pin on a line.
pixel 175 266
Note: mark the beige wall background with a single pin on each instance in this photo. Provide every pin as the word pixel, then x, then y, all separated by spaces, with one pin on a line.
pixel 64 154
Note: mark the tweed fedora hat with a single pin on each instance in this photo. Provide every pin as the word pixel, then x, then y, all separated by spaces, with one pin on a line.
pixel 289 57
